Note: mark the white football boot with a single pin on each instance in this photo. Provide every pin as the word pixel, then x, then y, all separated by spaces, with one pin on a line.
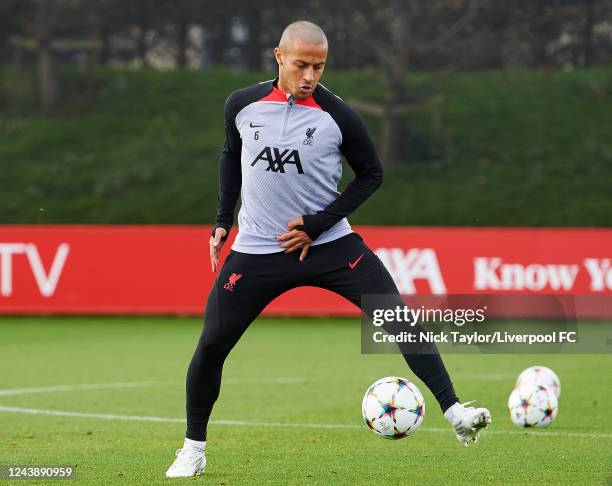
pixel 189 463
pixel 468 421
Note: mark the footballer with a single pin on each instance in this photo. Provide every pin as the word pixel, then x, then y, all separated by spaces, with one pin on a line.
pixel 284 144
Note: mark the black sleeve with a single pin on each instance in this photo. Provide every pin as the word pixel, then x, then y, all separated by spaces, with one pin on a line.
pixel 230 174
pixel 360 152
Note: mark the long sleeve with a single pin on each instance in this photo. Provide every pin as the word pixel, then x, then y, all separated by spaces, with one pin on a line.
pixel 360 152
pixel 230 173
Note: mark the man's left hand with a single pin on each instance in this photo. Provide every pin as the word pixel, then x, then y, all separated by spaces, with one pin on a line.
pixel 294 239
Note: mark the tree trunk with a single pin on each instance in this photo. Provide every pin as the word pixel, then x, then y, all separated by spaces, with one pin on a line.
pixel 182 28
pixel 142 46
pixel 589 21
pixel 92 61
pixel 218 40
pixel 392 130
pixel 46 17
pixel 252 52
pixel 105 52
pixel 46 77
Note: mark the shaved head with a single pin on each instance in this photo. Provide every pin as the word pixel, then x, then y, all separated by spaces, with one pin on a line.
pixel 304 32
pixel 300 55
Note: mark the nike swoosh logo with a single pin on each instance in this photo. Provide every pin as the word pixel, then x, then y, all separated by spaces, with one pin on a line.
pixel 256 126
pixel 354 264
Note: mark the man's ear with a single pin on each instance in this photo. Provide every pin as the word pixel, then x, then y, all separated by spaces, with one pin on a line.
pixel 278 55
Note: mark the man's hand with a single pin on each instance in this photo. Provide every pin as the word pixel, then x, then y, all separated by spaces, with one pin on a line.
pixel 295 239
pixel 215 247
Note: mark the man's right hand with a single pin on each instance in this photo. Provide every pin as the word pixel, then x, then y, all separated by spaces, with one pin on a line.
pixel 215 247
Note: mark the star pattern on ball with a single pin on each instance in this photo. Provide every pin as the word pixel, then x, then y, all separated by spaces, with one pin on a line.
pixel 419 410
pixel 389 410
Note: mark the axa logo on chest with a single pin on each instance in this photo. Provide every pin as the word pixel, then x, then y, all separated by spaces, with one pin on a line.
pixel 46 281
pixel 278 158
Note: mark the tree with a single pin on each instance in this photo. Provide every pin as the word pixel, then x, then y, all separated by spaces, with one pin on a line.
pixel 394 33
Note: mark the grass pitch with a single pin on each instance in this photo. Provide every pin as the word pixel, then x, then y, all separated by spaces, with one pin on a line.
pixel 107 394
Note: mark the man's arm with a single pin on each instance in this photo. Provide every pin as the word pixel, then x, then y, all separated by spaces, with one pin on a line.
pixel 230 173
pixel 360 152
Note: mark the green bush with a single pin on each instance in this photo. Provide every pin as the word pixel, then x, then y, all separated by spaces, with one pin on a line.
pixel 522 148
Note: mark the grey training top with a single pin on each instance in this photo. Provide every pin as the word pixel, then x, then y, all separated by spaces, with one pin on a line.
pixel 284 158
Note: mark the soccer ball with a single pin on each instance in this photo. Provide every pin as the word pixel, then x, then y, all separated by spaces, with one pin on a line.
pixel 533 405
pixel 393 407
pixel 540 374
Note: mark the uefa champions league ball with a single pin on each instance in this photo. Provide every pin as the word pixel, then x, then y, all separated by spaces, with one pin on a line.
pixel 393 407
pixel 540 374
pixel 533 405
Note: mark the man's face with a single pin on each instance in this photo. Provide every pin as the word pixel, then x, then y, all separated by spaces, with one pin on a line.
pixel 300 69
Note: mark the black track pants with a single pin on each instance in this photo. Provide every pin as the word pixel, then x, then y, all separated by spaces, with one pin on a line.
pixel 247 283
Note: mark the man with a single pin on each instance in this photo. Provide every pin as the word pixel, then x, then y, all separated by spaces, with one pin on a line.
pixel 285 140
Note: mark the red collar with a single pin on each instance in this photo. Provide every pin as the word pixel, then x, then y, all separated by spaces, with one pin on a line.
pixel 279 96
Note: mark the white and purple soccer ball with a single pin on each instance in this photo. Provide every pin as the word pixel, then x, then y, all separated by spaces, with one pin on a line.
pixel 533 405
pixel 540 374
pixel 393 407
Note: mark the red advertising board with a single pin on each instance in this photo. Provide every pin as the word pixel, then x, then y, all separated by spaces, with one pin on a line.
pixel 166 269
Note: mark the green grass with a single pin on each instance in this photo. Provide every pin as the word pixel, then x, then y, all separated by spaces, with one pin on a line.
pixel 322 356
pixel 523 148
